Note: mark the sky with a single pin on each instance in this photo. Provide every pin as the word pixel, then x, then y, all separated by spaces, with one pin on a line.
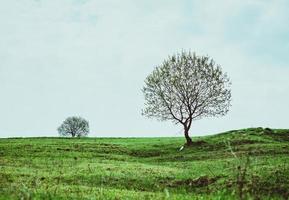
pixel 89 58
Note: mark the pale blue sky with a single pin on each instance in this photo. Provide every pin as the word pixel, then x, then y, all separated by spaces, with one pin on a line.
pixel 90 57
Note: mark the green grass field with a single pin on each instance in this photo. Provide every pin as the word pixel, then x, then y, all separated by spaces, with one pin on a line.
pixel 248 163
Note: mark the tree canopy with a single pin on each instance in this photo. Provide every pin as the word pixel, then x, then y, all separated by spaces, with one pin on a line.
pixel 74 126
pixel 187 87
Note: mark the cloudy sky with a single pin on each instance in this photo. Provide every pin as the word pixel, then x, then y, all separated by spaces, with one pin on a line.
pixel 90 58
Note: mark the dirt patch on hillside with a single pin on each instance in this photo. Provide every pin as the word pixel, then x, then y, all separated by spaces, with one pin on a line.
pixel 198 182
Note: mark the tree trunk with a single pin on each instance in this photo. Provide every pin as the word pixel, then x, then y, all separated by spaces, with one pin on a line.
pixel 189 140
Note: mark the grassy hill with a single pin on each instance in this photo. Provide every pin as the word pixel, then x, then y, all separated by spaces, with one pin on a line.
pixel 247 163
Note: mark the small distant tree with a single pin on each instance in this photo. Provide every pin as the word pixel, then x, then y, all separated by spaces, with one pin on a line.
pixel 186 87
pixel 74 126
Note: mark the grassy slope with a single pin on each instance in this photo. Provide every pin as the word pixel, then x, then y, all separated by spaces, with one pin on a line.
pixel 147 168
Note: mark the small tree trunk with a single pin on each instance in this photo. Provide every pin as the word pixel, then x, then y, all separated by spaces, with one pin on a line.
pixel 189 140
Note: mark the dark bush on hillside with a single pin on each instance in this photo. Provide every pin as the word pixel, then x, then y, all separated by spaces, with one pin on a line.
pixel 268 131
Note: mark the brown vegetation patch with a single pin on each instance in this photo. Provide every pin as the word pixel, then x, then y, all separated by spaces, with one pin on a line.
pixel 199 182
pixel 278 135
pixel 244 141
pixel 199 143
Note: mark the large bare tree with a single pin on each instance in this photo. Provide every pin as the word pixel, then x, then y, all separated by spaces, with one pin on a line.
pixel 187 87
